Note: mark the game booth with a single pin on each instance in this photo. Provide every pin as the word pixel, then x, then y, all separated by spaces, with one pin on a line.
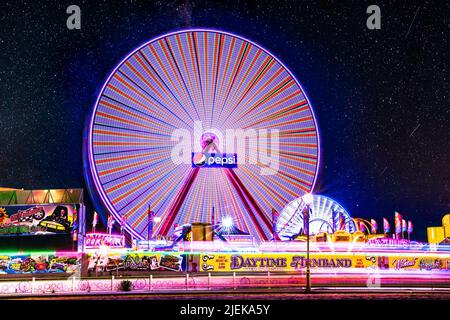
pixel 41 231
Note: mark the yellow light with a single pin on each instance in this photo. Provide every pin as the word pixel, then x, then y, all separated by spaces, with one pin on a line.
pixel 308 198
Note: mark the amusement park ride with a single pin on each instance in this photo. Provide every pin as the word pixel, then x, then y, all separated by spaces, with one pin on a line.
pixel 227 83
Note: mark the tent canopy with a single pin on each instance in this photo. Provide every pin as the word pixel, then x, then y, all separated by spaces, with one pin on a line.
pixel 25 197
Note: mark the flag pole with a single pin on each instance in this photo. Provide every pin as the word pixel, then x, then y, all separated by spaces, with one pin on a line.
pixel 149 222
pixel 213 223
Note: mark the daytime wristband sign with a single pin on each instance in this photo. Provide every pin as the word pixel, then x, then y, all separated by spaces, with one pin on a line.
pixel 272 262
pixel 297 262
pixel 263 262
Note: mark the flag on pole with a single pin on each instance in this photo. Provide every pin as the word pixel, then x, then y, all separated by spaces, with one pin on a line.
pixel 74 218
pixel 151 216
pixel 386 226
pixel 334 219
pixel 74 214
pixel 362 226
pixel 110 223
pixel 341 221
pixel 122 224
pixel 404 226
pixel 410 227
pixel 398 222
pixel 275 216
pixel 373 226
pixel 75 224
pixel 94 220
pixel 306 220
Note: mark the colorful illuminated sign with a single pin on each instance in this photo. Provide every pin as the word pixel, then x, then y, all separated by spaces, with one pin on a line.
pixel 253 262
pixel 213 160
pixel 96 240
pixel 39 263
pixel 151 261
pixel 38 219
pixel 400 243
pixel 389 242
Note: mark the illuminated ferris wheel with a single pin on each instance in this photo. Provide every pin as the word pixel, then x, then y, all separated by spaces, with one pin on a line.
pixel 201 119
pixel 326 215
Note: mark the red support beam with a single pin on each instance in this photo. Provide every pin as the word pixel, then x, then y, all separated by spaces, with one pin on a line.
pixel 240 189
pixel 176 205
pixel 252 201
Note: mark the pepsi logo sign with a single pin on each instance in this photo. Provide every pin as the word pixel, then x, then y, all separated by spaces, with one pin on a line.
pixel 214 160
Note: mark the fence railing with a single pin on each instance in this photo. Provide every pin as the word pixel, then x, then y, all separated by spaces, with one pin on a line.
pixel 151 283
pixel 214 281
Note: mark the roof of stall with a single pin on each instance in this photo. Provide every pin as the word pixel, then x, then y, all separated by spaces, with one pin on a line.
pixel 230 231
pixel 49 196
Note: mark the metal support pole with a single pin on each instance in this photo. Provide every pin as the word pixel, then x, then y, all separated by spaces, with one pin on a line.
pixel 308 265
pixel 187 280
pixel 234 280
pixel 112 283
pixel 33 282
pixel 150 282
pixel 209 280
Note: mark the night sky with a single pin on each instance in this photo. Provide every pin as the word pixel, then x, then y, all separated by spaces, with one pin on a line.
pixel 381 97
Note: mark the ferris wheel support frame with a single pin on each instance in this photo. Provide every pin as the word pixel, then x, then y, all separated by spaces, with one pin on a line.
pixel 245 195
pixel 179 199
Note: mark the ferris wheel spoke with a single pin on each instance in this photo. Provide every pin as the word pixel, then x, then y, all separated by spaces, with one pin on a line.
pixel 168 89
pixel 273 93
pixel 216 75
pixel 197 67
pixel 259 74
pixel 135 112
pixel 242 54
pixel 155 100
pixel 182 78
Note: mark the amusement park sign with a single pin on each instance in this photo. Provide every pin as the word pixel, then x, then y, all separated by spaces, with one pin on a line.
pixel 96 240
pixel 271 262
pixel 388 242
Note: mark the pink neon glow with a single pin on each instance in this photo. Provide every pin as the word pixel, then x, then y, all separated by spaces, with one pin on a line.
pixel 95 240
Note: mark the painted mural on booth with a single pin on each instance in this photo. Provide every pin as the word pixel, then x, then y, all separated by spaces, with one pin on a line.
pixel 39 263
pixel 134 262
pixel 250 262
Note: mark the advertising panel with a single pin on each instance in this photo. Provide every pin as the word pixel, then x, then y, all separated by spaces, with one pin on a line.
pixel 227 262
pixel 415 263
pixel 96 240
pixel 263 262
pixel 38 219
pixel 39 263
